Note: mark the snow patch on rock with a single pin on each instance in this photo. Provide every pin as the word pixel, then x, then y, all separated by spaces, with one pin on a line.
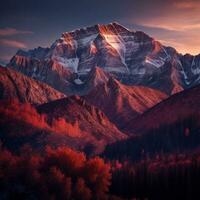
pixel 155 62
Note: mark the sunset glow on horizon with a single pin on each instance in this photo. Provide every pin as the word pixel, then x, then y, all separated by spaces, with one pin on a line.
pixel 174 23
pixel 177 24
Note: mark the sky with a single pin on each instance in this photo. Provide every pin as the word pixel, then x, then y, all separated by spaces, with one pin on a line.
pixel 26 24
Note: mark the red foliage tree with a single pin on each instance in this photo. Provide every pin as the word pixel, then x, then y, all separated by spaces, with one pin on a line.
pixel 59 173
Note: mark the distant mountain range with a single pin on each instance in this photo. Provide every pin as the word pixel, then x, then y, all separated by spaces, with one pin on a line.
pixel 106 82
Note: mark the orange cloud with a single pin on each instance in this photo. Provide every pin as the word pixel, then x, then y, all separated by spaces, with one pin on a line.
pixel 187 4
pixel 12 31
pixel 180 27
pixel 173 27
pixel 12 43
pixel 178 15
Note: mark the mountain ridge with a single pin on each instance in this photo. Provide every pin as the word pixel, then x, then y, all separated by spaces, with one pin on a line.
pixel 121 102
pixel 178 106
pixel 14 85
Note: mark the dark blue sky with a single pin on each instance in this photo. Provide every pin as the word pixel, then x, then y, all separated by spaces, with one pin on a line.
pixel 30 23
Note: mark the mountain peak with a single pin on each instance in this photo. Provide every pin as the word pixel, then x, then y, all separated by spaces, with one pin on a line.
pixel 111 28
pixel 132 57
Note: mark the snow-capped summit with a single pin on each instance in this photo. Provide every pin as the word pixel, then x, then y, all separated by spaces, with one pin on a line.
pixel 133 57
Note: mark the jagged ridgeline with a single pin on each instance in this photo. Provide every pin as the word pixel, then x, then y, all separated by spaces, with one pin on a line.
pixel 133 57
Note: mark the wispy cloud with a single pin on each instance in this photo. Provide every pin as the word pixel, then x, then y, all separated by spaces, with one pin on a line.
pixel 179 15
pixel 173 27
pixel 12 31
pixel 12 43
pixel 187 4
pixel 184 41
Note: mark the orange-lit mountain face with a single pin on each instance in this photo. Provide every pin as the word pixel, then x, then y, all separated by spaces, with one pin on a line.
pixel 133 57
